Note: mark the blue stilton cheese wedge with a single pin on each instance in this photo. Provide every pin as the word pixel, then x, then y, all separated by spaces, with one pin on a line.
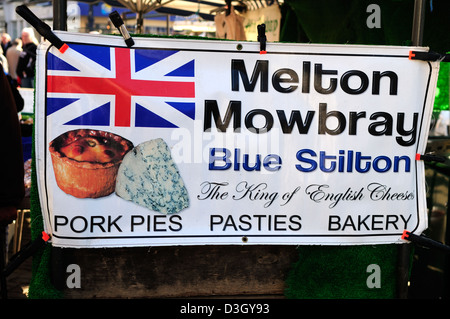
pixel 149 177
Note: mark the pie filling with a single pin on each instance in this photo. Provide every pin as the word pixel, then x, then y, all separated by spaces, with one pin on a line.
pixel 91 146
pixel 93 149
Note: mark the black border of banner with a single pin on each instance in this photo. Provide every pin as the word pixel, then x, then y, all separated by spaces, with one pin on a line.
pixel 243 235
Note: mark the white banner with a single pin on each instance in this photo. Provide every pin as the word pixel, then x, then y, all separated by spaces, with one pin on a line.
pixel 191 142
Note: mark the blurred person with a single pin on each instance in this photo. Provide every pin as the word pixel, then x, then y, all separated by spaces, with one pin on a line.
pixel 16 94
pixel 4 61
pixel 12 188
pixel 12 56
pixel 27 60
pixel 6 41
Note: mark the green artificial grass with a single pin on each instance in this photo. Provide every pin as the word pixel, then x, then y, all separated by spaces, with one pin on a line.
pixel 40 285
pixel 338 272
pixel 442 98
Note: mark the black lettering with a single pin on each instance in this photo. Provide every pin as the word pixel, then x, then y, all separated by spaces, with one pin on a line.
pixel 245 222
pixel 296 118
pixel 175 221
pixel 136 220
pixel 318 72
pixel 405 221
pixel 261 70
pixel 334 222
pixel 98 223
pixel 324 115
pixel 386 124
pixel 279 223
pixel 349 223
pixel 295 220
pixel 377 219
pixel 354 117
pixel 306 78
pixel 278 78
pixel 215 220
pixel 113 223
pixel 363 222
pixel 60 221
pixel 391 219
pixel 156 223
pixel 401 129
pixel 268 123
pixel 212 111
pixel 229 222
pixel 363 86
pixel 376 82
pixel 84 224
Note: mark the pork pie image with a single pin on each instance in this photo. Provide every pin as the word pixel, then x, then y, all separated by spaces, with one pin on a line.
pixel 85 162
pixel 149 177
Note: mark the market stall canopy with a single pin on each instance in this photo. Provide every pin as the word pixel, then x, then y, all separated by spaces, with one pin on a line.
pixel 205 9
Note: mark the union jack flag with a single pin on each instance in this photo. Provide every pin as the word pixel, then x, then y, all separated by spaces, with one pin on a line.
pixel 96 85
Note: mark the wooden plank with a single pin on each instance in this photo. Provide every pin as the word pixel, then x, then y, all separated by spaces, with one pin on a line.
pixel 180 271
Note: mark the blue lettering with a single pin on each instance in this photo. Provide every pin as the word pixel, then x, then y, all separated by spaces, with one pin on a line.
pixel 387 165
pixel 407 160
pixel 349 161
pixel 272 159
pixel 341 160
pixel 220 159
pixel 311 162
pixel 213 158
pixel 257 165
pixel 323 158
pixel 359 157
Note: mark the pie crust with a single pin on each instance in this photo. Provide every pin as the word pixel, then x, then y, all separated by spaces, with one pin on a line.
pixel 85 162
